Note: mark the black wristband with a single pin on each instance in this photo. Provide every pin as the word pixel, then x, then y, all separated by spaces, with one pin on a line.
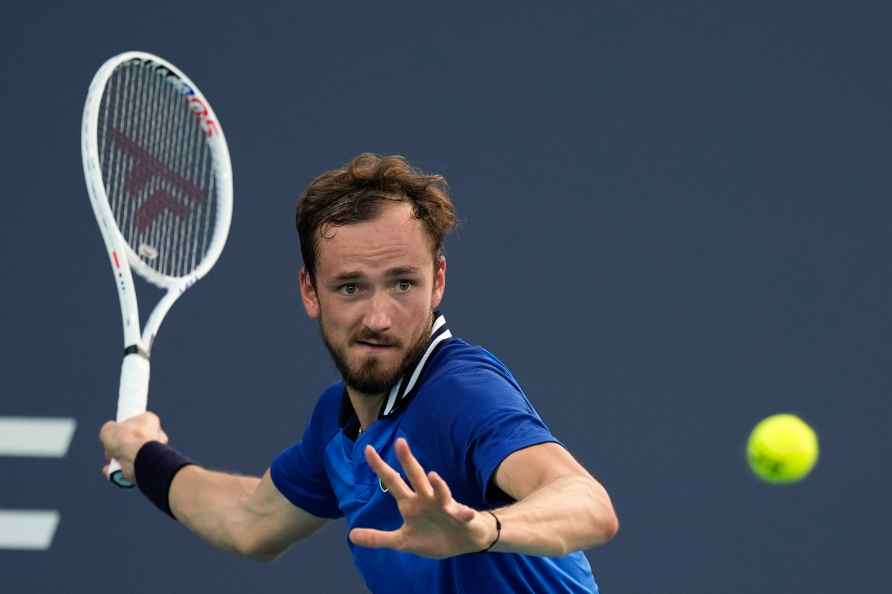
pixel 154 467
pixel 498 532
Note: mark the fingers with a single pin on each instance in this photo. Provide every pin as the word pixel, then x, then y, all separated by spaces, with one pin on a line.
pixel 105 438
pixel 443 495
pixel 106 431
pixel 140 428
pixel 417 477
pixel 441 489
pixel 123 440
pixel 390 477
pixel 376 539
pixel 431 485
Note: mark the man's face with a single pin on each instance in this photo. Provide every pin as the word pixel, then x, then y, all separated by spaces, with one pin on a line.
pixel 375 291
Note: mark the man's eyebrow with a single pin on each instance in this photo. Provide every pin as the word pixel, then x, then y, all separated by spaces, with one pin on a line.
pixel 351 275
pixel 402 271
pixel 348 276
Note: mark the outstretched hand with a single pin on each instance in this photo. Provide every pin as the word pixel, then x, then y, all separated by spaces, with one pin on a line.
pixel 434 524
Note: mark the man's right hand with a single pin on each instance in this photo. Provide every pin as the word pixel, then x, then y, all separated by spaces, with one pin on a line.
pixel 123 440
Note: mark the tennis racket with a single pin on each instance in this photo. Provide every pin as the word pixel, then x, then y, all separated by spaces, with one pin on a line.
pixel 160 181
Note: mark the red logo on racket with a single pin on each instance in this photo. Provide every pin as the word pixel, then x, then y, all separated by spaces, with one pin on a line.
pixel 144 170
pixel 202 114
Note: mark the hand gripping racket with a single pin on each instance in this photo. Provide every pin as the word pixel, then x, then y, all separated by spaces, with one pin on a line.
pixel 160 182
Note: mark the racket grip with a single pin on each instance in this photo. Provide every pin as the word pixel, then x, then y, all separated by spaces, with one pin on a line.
pixel 133 393
pixel 133 397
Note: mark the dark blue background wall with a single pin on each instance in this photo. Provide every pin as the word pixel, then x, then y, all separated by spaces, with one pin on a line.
pixel 676 222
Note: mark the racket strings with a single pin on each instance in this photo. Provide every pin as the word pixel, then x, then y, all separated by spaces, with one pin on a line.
pixel 157 168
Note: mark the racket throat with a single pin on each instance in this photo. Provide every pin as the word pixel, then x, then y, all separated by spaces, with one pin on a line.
pixel 135 349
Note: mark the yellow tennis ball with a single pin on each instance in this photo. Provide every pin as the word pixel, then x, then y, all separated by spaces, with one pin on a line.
pixel 782 449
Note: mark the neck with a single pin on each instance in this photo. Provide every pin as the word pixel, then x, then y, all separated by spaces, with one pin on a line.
pixel 366 406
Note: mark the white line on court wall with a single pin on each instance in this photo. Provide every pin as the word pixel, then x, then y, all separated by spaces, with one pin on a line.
pixel 32 437
pixel 41 437
pixel 27 530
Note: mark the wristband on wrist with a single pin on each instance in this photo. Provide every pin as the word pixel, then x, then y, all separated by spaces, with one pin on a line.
pixel 154 468
pixel 498 532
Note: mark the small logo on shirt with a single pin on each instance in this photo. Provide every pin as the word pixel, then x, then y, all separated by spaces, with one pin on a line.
pixel 382 487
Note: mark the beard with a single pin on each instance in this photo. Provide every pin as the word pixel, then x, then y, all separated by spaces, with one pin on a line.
pixel 370 377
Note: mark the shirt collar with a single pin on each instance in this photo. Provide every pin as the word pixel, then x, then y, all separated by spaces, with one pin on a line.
pixel 407 386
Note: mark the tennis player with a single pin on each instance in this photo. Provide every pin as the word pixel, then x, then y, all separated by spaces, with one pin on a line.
pixel 448 478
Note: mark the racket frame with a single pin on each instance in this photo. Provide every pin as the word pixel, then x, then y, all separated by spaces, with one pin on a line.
pixel 133 390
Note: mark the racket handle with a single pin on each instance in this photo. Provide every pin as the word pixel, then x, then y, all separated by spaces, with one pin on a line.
pixel 116 476
pixel 133 397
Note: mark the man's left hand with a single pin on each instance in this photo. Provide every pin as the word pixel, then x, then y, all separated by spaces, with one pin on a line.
pixel 434 524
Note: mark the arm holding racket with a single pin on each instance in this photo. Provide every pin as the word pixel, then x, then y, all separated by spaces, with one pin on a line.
pixel 242 514
pixel 245 515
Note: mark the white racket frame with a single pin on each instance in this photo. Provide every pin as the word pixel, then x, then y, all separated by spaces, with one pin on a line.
pixel 134 386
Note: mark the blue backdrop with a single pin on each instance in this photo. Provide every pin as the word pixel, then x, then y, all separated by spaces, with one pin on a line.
pixel 675 222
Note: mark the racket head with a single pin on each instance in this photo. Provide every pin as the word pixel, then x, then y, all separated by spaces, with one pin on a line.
pixel 157 168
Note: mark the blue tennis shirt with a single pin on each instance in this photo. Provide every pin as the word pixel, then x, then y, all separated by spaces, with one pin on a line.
pixel 462 413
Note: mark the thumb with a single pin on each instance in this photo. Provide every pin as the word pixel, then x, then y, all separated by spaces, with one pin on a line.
pixel 375 539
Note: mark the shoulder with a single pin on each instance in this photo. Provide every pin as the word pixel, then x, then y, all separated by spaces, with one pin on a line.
pixel 460 362
pixel 466 374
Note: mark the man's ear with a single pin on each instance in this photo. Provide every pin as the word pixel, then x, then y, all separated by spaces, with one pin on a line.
pixel 308 294
pixel 439 281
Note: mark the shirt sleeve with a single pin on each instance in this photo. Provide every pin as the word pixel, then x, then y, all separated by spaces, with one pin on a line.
pixel 495 419
pixel 299 471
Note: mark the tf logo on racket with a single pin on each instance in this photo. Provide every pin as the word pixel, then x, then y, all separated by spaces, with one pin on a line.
pixel 159 178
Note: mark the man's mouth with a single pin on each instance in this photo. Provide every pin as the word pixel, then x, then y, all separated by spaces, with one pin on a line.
pixel 375 345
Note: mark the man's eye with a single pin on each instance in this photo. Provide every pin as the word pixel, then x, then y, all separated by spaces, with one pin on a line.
pixel 348 289
pixel 404 285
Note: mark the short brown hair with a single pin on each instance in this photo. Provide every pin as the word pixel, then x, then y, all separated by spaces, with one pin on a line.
pixel 356 192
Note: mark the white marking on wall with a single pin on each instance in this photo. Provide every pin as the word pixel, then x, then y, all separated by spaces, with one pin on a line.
pixel 27 530
pixel 40 437
pixel 32 437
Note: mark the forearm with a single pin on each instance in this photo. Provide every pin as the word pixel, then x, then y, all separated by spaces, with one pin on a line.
pixel 213 506
pixel 568 514
pixel 245 515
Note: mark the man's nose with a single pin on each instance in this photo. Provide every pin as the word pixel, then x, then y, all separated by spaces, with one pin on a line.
pixel 377 317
